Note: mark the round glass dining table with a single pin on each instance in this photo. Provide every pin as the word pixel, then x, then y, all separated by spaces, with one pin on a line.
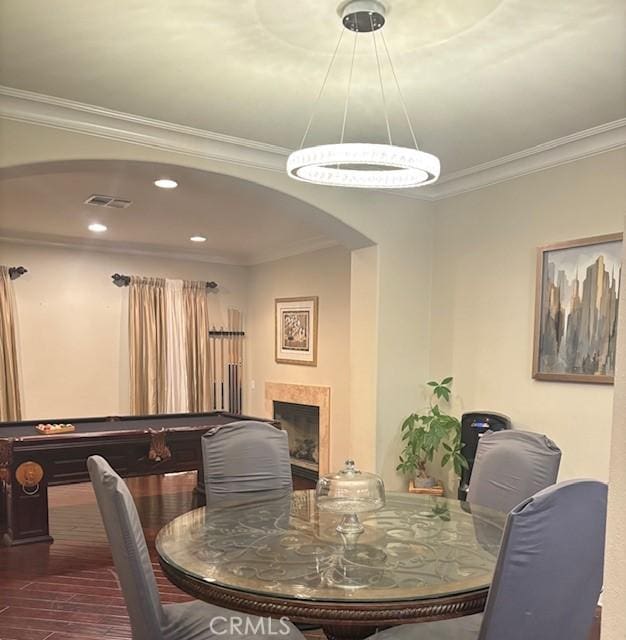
pixel 419 558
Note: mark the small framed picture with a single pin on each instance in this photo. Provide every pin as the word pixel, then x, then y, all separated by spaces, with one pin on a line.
pixel 576 310
pixel 296 331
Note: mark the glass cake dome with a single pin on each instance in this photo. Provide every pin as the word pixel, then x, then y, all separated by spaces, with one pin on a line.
pixel 349 492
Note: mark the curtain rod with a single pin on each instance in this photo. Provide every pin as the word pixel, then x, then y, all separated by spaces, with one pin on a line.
pixel 120 280
pixel 16 272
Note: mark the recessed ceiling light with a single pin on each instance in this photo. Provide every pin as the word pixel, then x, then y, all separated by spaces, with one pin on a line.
pixel 96 227
pixel 166 183
pixel 198 239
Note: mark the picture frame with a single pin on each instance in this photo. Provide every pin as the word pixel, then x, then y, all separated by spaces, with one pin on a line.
pixel 576 309
pixel 296 330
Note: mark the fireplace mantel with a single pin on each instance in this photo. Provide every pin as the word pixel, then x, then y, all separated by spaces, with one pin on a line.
pixel 318 396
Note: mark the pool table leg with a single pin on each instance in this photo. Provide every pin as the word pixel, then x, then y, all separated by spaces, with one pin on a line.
pixel 4 518
pixel 6 454
pixel 24 505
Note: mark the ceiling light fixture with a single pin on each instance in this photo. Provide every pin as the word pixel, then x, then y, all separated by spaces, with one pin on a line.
pixel 360 164
pixel 198 239
pixel 165 183
pixel 96 227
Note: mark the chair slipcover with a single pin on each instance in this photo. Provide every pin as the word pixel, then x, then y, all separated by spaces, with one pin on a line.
pixel 511 466
pixel 548 576
pixel 245 457
pixel 129 550
pixel 149 619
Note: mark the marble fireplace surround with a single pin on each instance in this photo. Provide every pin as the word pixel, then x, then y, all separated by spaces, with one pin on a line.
pixel 317 396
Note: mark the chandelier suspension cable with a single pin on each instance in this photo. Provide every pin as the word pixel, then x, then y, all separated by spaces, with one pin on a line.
pixel 319 95
pixel 380 78
pixel 402 101
pixel 345 108
pixel 364 164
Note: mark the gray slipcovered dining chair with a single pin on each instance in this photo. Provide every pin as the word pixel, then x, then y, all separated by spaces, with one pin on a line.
pixel 511 466
pixel 149 619
pixel 244 458
pixel 548 575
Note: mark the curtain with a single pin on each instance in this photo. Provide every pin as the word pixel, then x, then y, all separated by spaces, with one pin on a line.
pixel 10 406
pixel 147 345
pixel 170 359
pixel 198 350
pixel 177 391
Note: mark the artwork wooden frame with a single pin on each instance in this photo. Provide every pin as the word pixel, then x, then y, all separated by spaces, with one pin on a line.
pixel 296 316
pixel 560 354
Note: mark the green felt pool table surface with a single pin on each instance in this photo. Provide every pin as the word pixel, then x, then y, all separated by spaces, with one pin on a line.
pixel 84 426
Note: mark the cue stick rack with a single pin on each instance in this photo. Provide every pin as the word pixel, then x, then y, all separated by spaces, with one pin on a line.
pixel 226 344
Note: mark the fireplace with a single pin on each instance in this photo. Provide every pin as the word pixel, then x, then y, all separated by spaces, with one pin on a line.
pixel 302 424
pixel 304 413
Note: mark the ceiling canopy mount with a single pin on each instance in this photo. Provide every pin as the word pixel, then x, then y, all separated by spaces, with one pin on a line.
pixel 363 16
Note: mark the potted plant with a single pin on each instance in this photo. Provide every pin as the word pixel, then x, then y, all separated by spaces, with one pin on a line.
pixel 424 434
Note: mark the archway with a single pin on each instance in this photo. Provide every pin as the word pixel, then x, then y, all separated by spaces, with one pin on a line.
pixel 246 225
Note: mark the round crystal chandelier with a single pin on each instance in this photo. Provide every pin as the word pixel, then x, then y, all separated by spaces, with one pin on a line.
pixel 360 164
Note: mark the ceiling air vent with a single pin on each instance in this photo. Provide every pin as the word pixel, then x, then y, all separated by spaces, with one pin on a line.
pixel 118 203
pixel 99 201
pixel 108 201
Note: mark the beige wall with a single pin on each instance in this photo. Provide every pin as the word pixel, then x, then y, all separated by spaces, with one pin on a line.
pixel 73 323
pixel 483 301
pixel 363 356
pixel 325 274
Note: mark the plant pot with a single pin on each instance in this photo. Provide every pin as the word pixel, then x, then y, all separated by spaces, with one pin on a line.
pixel 436 491
pixel 424 482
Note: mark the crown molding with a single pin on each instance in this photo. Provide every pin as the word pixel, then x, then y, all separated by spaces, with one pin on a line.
pixel 160 251
pixel 103 246
pixel 59 113
pixel 296 249
pixel 583 144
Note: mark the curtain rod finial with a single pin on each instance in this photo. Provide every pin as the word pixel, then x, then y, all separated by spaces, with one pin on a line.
pixel 119 280
pixel 16 272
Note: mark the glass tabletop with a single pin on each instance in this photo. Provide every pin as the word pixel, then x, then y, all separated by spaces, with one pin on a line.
pixel 415 547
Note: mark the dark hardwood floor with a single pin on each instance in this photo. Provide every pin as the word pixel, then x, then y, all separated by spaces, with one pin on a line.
pixel 68 590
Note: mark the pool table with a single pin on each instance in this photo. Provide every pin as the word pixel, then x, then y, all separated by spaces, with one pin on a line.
pixel 30 462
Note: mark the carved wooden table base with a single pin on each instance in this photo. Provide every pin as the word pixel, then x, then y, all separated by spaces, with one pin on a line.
pixel 340 621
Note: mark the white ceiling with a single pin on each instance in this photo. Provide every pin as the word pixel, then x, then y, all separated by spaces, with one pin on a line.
pixel 482 78
pixel 244 223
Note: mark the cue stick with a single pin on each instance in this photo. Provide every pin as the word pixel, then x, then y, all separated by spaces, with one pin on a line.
pixel 230 360
pixel 213 342
pixel 234 343
pixel 233 358
pixel 240 358
pixel 241 343
pixel 222 370
pixel 235 371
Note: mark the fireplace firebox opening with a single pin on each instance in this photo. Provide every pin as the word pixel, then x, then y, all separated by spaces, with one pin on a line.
pixel 301 422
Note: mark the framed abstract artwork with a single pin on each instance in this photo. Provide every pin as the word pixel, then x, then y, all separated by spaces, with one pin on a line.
pixel 576 307
pixel 296 331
